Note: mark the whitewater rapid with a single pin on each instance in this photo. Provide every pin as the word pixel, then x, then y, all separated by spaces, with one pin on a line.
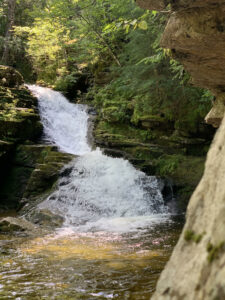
pixel 99 192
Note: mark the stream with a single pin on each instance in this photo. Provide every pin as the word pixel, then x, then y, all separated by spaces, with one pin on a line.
pixel 117 234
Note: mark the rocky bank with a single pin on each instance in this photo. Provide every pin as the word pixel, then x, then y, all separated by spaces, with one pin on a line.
pixel 195 35
pixel 28 169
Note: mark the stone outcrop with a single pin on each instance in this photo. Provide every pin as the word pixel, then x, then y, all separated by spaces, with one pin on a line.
pixel 34 169
pixel 157 148
pixel 196 270
pixel 9 77
pixel 195 34
pixel 28 170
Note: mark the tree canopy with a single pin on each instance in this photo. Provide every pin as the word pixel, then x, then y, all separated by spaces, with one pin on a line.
pixel 116 41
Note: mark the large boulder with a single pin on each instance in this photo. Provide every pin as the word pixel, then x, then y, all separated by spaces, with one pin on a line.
pixel 34 170
pixel 196 268
pixel 9 77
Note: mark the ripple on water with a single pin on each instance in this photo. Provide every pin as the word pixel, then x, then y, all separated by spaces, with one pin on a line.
pixel 99 265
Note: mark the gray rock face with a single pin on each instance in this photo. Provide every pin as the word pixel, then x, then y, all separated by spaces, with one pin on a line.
pixel 196 270
pixel 46 219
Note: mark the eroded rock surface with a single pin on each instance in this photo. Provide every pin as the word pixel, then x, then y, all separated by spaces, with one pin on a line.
pixel 196 269
pixel 27 169
pixel 12 225
pixel 195 34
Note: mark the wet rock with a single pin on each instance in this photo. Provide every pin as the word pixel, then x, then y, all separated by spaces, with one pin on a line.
pixel 46 173
pixel 156 122
pixel 46 218
pixel 12 225
pixel 115 153
pixel 66 172
pixel 91 111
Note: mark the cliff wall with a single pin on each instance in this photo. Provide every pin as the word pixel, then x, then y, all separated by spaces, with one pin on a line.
pixel 195 34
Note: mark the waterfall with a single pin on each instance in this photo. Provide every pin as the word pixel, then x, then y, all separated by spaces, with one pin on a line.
pixel 65 124
pixel 98 192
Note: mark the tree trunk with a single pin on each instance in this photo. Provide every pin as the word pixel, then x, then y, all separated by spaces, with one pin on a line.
pixel 9 31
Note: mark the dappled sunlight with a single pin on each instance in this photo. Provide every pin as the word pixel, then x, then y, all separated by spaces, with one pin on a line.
pixel 96 247
pixel 88 265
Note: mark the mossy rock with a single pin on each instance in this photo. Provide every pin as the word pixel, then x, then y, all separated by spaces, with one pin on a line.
pixel 31 154
pixel 18 114
pixel 9 77
pixel 22 129
pixel 45 218
pixel 33 170
pixel 11 225
pixel 46 173
pixel 114 114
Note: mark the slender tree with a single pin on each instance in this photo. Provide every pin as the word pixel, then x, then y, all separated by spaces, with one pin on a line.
pixel 9 31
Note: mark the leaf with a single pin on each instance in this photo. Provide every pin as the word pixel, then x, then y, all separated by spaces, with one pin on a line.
pixel 134 22
pixel 143 25
pixel 127 27
pixel 154 12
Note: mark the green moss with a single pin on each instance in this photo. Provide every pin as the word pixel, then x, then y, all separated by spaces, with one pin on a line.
pixel 190 235
pixel 215 251
pixel 18 118
pixel 13 185
pixel 124 131
pixel 167 164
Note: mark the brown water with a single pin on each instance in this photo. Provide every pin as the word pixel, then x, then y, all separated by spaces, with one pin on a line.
pixel 100 265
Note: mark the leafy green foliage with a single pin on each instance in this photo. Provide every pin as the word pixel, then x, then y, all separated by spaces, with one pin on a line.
pixel 119 44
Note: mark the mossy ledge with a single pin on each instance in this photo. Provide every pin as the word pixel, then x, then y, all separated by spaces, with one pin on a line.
pixel 160 150
pixel 28 170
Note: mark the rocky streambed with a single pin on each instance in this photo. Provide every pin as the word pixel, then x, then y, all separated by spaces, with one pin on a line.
pixel 115 233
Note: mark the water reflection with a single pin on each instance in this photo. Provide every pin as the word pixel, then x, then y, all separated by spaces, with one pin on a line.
pixel 89 266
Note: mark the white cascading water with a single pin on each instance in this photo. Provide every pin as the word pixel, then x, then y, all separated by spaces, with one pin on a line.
pixel 98 192
pixel 65 124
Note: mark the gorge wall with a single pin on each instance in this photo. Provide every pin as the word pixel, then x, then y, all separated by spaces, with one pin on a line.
pixel 195 34
pixel 28 168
